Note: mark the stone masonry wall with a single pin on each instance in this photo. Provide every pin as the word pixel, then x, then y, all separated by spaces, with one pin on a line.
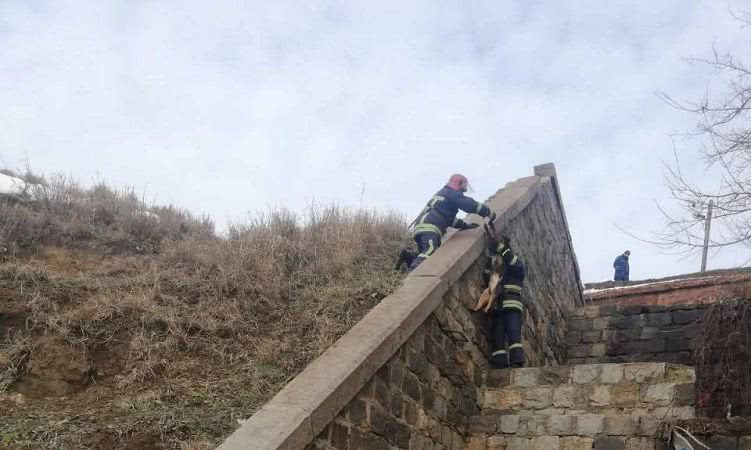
pixel 633 333
pixel 422 398
pixel 539 236
pixel 410 373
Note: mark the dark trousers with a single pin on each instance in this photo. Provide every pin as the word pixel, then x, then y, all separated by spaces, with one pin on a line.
pixel 427 244
pixel 506 337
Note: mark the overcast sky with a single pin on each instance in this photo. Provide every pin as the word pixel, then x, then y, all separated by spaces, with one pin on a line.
pixel 226 107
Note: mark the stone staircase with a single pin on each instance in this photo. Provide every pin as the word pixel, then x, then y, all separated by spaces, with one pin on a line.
pixel 581 407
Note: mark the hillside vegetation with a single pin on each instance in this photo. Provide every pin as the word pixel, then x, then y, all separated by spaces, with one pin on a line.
pixel 126 325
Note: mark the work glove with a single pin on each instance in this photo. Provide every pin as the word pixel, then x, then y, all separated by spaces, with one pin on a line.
pixel 466 226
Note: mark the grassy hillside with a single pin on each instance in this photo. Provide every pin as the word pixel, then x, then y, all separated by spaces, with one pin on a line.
pixel 121 329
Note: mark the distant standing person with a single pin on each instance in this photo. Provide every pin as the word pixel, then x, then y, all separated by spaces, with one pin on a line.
pixel 621 266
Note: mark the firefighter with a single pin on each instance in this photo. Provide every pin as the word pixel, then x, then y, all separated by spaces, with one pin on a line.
pixel 440 214
pixel 507 304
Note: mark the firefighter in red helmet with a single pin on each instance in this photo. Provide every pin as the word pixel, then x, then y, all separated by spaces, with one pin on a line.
pixel 440 214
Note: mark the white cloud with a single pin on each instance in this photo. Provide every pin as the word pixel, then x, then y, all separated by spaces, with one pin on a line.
pixel 228 107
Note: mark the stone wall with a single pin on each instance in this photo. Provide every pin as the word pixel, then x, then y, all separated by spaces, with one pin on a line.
pixel 421 398
pixel 539 236
pixel 631 333
pixel 409 374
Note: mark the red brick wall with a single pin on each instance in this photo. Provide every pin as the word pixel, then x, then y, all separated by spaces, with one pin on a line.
pixel 680 292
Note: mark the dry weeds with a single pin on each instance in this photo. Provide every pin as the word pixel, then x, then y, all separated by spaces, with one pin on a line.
pixel 171 348
pixel 723 357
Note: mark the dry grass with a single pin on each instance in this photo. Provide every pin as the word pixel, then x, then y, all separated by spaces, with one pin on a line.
pixel 723 357
pixel 58 211
pixel 171 348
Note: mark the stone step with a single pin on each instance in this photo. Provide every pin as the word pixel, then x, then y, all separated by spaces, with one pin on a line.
pixel 590 374
pixel 643 388
pixel 600 442
pixel 579 424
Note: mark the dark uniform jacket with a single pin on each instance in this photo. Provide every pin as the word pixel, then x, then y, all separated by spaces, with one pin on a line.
pixel 621 268
pixel 509 294
pixel 440 212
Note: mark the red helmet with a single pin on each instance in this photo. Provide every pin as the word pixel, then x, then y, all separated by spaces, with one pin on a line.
pixel 458 182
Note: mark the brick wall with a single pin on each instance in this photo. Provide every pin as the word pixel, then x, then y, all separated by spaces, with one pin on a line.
pixel 631 333
pixel 699 288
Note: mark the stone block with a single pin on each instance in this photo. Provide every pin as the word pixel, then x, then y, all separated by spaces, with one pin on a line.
pixel 411 413
pixel 509 424
pixel 621 425
pixel 660 394
pixel 718 442
pixel 684 317
pixel 679 374
pixel 677 344
pixel 576 443
pixel 649 333
pixel 536 425
pixel 640 443
pixel 544 443
pixel 518 443
pixel 598 350
pixel 672 412
pixel 525 377
pixel 590 337
pixel 482 424
pixel 498 378
pixel 398 434
pixel 357 409
pixel 555 375
pixel 580 325
pixel 611 374
pixel 599 395
pixel 648 425
pixel 640 373
pixel 502 399
pixel 538 398
pixel 744 443
pixel 411 386
pixel 590 424
pixel 495 443
pixel 573 337
pixel 473 442
pixel 609 443
pixel 659 319
pixel 561 425
pixel 587 374
pixel 565 396
pixel 591 312
pixel 644 347
pixel 600 323
pixel 581 351
pixel 371 441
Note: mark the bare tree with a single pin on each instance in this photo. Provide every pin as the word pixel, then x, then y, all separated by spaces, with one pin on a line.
pixel 723 131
